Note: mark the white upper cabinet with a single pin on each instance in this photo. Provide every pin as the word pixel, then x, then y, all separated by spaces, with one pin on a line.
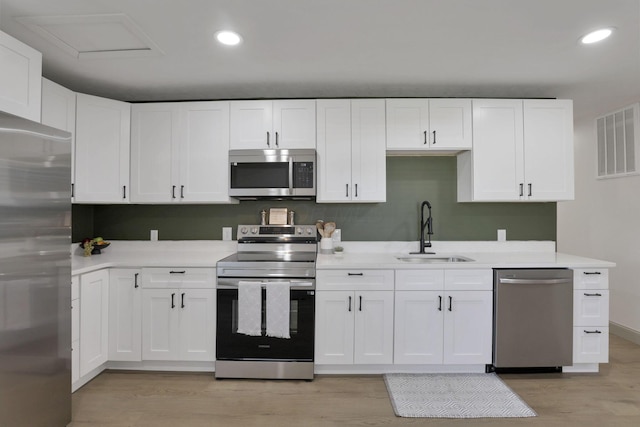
pixel 425 125
pixel 277 124
pixel 179 152
pixel 548 149
pixel 522 151
pixel 351 150
pixel 102 150
pixel 59 111
pixel 20 78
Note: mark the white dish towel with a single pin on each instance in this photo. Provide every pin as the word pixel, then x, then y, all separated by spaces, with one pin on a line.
pixel 278 309
pixel 250 308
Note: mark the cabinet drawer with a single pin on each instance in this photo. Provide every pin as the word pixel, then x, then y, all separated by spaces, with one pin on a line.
pixel 355 280
pixel 591 278
pixel 75 287
pixel 419 280
pixel 590 307
pixel 468 280
pixel 590 344
pixel 178 277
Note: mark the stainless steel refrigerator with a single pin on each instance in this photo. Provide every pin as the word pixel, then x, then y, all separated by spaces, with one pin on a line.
pixel 35 274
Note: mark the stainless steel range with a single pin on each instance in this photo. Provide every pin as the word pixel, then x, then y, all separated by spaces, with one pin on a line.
pixel 269 256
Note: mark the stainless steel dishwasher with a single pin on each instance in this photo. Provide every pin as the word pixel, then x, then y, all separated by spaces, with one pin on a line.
pixel 533 318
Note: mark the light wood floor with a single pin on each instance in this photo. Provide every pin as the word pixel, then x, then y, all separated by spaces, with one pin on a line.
pixel 610 398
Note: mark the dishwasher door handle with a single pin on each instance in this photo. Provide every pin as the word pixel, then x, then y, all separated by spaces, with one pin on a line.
pixel 534 281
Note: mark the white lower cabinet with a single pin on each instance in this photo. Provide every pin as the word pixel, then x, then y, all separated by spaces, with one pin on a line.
pixel 75 329
pixel 442 324
pixel 590 316
pixel 125 315
pixel 178 322
pixel 94 320
pixel 354 325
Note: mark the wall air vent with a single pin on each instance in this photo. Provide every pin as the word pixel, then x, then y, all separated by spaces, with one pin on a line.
pixel 618 139
pixel 93 36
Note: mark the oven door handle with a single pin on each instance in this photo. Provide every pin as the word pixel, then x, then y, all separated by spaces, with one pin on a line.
pixel 225 283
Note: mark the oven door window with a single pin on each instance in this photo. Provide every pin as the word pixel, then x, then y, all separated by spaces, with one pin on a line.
pixel 231 345
pixel 260 175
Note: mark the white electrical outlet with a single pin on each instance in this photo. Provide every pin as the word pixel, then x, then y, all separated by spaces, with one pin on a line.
pixel 226 233
pixel 154 235
pixel 502 235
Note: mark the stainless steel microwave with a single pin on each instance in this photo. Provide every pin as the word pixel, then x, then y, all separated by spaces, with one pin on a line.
pixel 276 174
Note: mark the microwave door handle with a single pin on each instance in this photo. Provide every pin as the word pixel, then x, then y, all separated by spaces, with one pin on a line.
pixel 291 176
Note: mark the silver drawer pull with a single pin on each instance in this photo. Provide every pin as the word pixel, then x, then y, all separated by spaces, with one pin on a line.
pixel 591 272
pixel 355 274
pixel 592 295
pixel 592 332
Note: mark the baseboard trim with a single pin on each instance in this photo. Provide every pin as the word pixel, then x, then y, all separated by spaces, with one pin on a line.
pixel 624 332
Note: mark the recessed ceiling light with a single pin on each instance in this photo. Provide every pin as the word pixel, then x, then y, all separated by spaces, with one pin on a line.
pixel 228 38
pixel 596 36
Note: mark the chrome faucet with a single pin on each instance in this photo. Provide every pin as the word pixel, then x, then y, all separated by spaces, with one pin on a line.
pixel 428 224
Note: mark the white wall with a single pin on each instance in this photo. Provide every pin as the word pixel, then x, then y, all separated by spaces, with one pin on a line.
pixel 603 222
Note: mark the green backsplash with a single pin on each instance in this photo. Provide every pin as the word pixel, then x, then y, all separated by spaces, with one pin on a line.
pixel 410 180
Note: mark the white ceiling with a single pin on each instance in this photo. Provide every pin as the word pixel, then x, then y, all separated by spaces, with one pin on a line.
pixel 354 48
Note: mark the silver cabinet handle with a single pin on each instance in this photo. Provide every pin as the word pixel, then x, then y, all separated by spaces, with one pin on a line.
pixel 434 137
pixel 450 303
pixel 592 295
pixel 530 189
pixel 439 302
pixel 277 139
pixel 135 280
pixel 124 191
pixel 349 303
pixel 425 137
pixel 173 191
pixel 591 272
pixel 268 144
pixel 356 190
pixel 592 332
pixel 521 189
pixel 347 187
pixel 182 191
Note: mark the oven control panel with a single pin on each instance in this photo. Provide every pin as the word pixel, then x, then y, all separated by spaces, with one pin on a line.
pixel 276 231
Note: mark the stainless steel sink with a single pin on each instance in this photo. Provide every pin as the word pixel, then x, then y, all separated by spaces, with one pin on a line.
pixel 432 259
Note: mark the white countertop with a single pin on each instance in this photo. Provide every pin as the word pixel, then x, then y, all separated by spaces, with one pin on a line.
pixel 380 255
pixel 178 253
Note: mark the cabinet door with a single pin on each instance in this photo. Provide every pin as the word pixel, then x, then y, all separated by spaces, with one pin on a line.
pixel 94 320
pixel 368 151
pixel 450 124
pixel 497 169
pixel 373 342
pixel 204 152
pixel 418 327
pixel 468 327
pixel 294 124
pixel 20 78
pixel 251 125
pixel 334 327
pixel 197 324
pixel 59 111
pixel 548 149
pixel 407 124
pixel 125 315
pixel 333 150
pixel 160 311
pixel 154 159
pixel 102 150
